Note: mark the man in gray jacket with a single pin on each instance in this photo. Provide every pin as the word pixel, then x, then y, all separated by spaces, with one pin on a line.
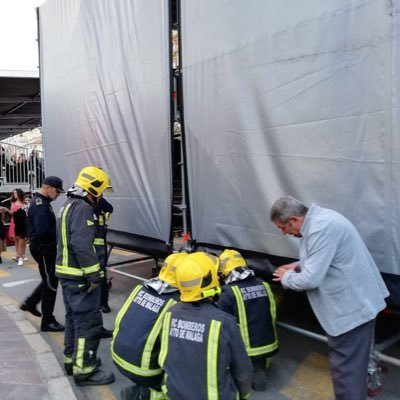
pixel 343 285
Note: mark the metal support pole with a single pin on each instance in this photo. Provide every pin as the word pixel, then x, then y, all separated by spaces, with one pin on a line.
pixel 322 338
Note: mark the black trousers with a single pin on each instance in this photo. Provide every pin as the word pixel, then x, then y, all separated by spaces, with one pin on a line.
pixel 46 291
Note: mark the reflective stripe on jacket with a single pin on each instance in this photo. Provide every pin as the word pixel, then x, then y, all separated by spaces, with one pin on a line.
pixel 135 344
pixel 252 302
pixel 202 354
pixel 76 256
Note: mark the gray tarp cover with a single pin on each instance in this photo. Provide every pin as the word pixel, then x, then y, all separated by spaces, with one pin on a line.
pixel 292 98
pixel 105 94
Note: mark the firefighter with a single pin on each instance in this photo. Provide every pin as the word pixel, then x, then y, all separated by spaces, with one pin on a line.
pixel 251 302
pixel 102 210
pixel 202 352
pixel 136 344
pixel 80 275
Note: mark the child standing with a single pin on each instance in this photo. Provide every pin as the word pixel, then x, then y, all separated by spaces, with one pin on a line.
pixel 251 301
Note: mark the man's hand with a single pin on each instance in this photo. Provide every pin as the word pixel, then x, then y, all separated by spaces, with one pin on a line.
pixel 290 267
pixel 281 271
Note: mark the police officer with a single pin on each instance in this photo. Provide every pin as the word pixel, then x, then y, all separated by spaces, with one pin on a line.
pixel 80 275
pixel 202 352
pixel 136 344
pixel 43 247
pixel 251 302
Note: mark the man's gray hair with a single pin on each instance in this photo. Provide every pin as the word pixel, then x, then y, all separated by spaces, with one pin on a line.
pixel 287 207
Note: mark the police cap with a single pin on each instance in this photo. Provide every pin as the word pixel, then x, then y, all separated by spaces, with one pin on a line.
pixel 55 182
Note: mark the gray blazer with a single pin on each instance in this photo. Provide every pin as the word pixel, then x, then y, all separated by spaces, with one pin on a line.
pixel 342 281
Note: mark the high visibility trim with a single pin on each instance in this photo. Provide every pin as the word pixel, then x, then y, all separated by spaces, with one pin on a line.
pixel 244 330
pixel 65 270
pixel 153 335
pixel 123 310
pixel 164 385
pixel 134 369
pixel 155 395
pixel 212 360
pixel 89 222
pixel 99 241
pixel 79 353
pixel 64 235
pixel 67 359
pixel 164 339
pixel 120 361
pixel 90 270
pixel 190 283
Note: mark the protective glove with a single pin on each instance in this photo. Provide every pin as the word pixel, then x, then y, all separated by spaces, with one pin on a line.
pixel 244 396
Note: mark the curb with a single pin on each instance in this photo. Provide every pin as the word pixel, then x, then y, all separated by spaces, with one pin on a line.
pixel 57 383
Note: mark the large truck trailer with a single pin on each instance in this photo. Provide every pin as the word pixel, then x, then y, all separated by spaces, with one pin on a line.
pixel 271 98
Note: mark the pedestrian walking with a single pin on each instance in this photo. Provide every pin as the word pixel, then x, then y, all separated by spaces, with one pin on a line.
pixel 42 234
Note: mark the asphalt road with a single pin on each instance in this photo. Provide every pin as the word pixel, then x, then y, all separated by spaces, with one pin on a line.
pixel 298 372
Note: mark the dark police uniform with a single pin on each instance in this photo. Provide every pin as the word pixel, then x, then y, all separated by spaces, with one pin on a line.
pixel 202 354
pixel 252 303
pixel 136 344
pixel 78 269
pixel 43 247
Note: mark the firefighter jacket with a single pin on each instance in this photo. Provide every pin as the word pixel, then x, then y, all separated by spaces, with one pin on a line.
pixel 252 303
pixel 202 354
pixel 102 210
pixel 76 256
pixel 136 344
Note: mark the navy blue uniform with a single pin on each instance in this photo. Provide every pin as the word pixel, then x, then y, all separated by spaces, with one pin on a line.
pixel 43 247
pixel 202 354
pixel 252 303
pixel 78 268
pixel 136 344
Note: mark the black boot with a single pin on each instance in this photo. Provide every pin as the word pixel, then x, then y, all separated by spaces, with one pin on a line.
pixel 137 392
pixel 259 379
pixel 70 366
pixel 106 333
pixel 30 308
pixel 98 378
pixel 105 308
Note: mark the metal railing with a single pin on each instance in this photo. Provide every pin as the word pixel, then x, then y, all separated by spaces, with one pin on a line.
pixel 20 168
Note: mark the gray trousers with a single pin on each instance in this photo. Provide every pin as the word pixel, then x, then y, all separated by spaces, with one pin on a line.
pixel 348 357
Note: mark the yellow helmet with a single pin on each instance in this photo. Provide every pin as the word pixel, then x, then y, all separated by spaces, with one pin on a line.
pixel 94 180
pixel 229 260
pixel 168 269
pixel 197 277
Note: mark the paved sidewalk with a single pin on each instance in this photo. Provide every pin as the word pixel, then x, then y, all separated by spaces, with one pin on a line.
pixel 28 367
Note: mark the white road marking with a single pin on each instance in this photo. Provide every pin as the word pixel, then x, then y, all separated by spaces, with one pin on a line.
pixel 16 283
